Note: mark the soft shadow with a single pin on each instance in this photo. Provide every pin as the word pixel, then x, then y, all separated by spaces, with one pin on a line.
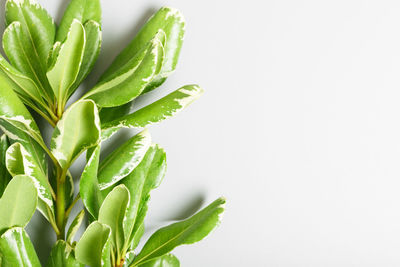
pixel 41 235
pixel 61 10
pixel 189 208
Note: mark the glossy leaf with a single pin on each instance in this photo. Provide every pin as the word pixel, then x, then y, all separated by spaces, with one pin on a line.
pixel 77 130
pixel 65 70
pixel 74 227
pixel 93 249
pixel 91 53
pixel 81 10
pixel 5 177
pixel 156 112
pixel 62 255
pixel 188 231
pixel 16 249
pixel 112 213
pixel 19 161
pixel 168 260
pixel 123 160
pixel 18 202
pixel 172 22
pixel 28 39
pixel 89 186
pixel 145 177
pixel 130 80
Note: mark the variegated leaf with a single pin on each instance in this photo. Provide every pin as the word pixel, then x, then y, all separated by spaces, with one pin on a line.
pixel 62 255
pixel 74 227
pixel 77 131
pixel 5 177
pixel 123 160
pixel 167 260
pixel 156 112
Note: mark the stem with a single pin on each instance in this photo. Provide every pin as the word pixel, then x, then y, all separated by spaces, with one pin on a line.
pixel 68 211
pixel 60 202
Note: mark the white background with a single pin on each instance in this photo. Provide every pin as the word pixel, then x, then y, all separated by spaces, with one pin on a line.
pixel 298 128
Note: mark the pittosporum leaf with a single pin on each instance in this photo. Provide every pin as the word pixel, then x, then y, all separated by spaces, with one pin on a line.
pixel 17 250
pixel 5 177
pixel 62 255
pixel 188 231
pixel 167 260
pixel 73 228
pixel 123 160
pixel 94 247
pixel 156 112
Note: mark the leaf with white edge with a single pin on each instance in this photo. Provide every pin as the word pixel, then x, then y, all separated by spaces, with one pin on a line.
pixel 65 70
pixel 62 255
pixel 123 160
pixel 89 186
pixel 93 249
pixel 73 228
pixel 129 256
pixel 16 249
pixel 158 111
pixel 188 231
pixel 5 177
pixel 28 39
pixel 18 202
pixel 167 260
pixel 19 162
pixel 82 10
pixel 112 213
pixel 172 22
pixel 17 123
pixel 144 178
pixel 77 131
pixel 129 81
pixel 91 53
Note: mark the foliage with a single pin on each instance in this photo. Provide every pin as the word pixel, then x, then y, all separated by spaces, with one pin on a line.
pixel 46 64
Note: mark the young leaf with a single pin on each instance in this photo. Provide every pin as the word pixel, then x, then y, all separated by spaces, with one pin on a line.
pixel 28 39
pixel 89 186
pixel 5 177
pixel 77 130
pixel 91 53
pixel 18 202
pixel 156 112
pixel 145 177
pixel 130 80
pixel 16 249
pixel 188 231
pixel 62 255
pixel 64 71
pixel 19 161
pixel 172 22
pixel 167 260
pixel 82 10
pixel 93 249
pixel 123 160
pixel 112 213
pixel 73 228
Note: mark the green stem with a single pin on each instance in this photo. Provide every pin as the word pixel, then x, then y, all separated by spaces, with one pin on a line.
pixel 60 202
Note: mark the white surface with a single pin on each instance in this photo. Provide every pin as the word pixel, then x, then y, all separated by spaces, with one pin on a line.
pixel 299 128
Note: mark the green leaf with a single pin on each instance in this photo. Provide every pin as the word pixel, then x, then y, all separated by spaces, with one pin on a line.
pixel 145 177
pixel 123 160
pixel 18 202
pixel 77 130
pixel 172 22
pixel 91 53
pixel 17 123
pixel 76 223
pixel 188 231
pixel 28 39
pixel 89 186
pixel 16 249
pixel 19 161
pixel 62 255
pixel 82 10
pixel 112 213
pixel 167 260
pixel 65 70
pixel 5 177
pixel 93 249
pixel 156 112
pixel 130 80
